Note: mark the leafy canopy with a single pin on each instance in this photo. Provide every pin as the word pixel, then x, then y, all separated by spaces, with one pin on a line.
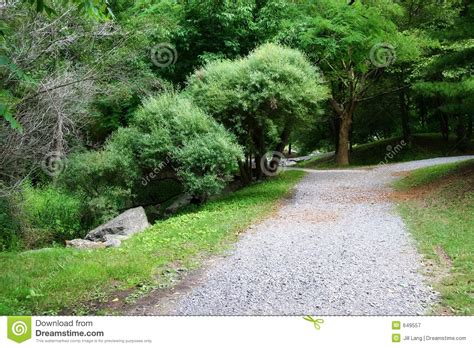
pixel 258 96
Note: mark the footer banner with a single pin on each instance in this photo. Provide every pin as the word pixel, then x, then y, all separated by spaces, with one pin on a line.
pixel 310 331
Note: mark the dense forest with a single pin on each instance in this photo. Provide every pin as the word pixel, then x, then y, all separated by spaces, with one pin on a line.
pixel 108 105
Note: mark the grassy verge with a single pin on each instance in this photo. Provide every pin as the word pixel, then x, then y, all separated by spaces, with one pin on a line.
pixel 49 281
pixel 423 146
pixel 439 213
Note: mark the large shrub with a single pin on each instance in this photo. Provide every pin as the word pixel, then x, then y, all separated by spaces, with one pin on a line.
pixel 169 139
pixel 260 98
pixel 171 133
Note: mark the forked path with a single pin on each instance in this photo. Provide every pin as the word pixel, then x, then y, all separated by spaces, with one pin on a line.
pixel 337 247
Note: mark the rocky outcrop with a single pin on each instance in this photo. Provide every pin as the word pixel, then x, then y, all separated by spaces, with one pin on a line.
pixel 114 231
pixel 126 224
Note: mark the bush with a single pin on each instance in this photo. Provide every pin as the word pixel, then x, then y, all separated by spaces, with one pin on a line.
pixel 39 216
pixel 260 98
pixel 169 138
pixel 105 179
pixel 171 133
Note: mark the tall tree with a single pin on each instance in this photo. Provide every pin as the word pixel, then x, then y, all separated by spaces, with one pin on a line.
pixel 448 75
pixel 353 45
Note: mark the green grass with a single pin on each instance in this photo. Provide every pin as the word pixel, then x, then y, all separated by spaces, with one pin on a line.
pixel 56 280
pixel 425 176
pixel 443 218
pixel 423 146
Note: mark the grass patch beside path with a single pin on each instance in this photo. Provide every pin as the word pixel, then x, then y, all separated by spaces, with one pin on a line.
pixel 49 281
pixel 439 212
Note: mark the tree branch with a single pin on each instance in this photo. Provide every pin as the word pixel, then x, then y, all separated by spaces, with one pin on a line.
pixel 381 94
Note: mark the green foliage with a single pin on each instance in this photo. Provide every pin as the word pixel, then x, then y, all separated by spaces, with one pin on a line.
pixel 9 228
pixel 128 75
pixel 37 217
pixel 340 36
pixel 447 74
pixel 105 178
pixel 63 278
pixel 94 8
pixel 46 215
pixel 428 14
pixel 169 138
pixel 171 132
pixel 211 30
pixel 257 97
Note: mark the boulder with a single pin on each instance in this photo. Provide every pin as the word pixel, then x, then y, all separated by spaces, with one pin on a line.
pixel 112 243
pixel 182 201
pixel 123 226
pixel 84 244
pixel 120 237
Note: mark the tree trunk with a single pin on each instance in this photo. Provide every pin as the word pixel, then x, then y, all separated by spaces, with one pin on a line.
pixel 258 166
pixel 423 111
pixel 244 174
pixel 351 142
pixel 461 133
pixel 336 125
pixel 259 142
pixel 444 121
pixel 405 116
pixel 342 157
pixel 469 127
pixel 284 137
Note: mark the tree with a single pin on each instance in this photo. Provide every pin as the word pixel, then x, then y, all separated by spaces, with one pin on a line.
pixel 448 75
pixel 211 30
pixel 260 98
pixel 353 45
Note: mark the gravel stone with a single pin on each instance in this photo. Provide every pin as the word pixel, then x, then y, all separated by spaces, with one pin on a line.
pixel 337 247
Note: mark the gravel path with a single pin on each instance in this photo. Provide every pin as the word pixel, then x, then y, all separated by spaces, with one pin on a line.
pixel 336 247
